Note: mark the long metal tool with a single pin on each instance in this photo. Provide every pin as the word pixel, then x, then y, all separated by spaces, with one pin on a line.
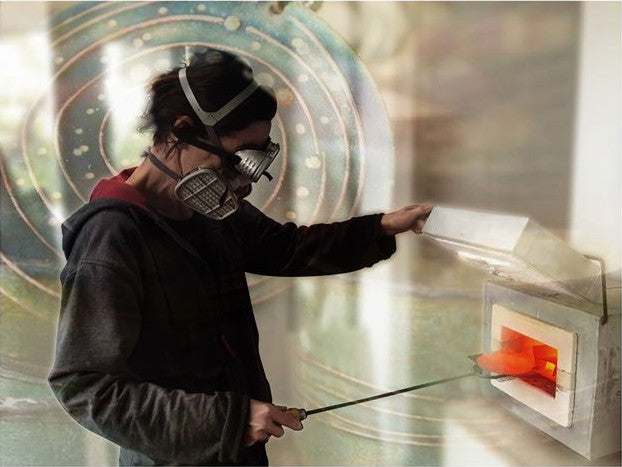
pixel 301 414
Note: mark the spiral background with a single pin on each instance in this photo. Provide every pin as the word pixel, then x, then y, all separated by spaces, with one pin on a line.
pixel 80 126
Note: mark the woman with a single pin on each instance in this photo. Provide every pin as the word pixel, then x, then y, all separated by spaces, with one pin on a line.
pixel 157 346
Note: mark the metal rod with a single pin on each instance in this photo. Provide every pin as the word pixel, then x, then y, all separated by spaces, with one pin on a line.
pixel 387 394
pixel 302 414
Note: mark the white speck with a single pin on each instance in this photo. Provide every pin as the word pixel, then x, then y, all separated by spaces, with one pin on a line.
pixel 103 59
pixel 90 111
pixel 84 148
pixel 300 129
pixel 111 23
pixel 284 96
pixel 56 195
pixel 232 23
pixel 302 191
pixel 303 78
pixel 290 215
pixel 201 7
pixel 125 161
pixel 146 36
pixel 324 119
pixel 59 60
pixel 255 45
pixel 77 152
pixel 138 42
pixel 162 11
pixel 78 131
pixel 52 221
pixel 42 151
pixel 300 45
pixel 265 79
pixel 89 175
pixel 20 182
pixel 100 97
pixel 313 162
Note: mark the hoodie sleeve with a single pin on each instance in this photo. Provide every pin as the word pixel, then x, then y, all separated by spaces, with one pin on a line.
pixel 100 321
pixel 276 249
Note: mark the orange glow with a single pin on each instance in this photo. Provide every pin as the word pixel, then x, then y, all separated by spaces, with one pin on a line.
pixel 505 363
pixel 522 356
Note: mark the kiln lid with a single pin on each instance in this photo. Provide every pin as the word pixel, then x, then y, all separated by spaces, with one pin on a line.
pixel 515 248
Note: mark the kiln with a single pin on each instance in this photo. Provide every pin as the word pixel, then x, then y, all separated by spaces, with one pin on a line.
pixel 550 310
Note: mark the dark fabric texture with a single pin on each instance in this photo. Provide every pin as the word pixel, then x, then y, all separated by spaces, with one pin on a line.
pixel 147 306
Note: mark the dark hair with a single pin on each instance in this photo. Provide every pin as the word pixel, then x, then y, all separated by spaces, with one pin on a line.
pixel 215 77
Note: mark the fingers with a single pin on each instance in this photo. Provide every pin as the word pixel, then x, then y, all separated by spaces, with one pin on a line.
pixel 274 430
pixel 267 420
pixel 288 419
pixel 417 214
pixel 263 435
pixel 419 224
pixel 422 207
pixel 405 219
pixel 422 210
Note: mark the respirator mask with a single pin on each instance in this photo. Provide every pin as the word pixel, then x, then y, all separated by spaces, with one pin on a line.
pixel 206 190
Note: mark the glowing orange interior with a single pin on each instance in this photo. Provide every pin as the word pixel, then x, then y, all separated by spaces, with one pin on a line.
pixel 529 359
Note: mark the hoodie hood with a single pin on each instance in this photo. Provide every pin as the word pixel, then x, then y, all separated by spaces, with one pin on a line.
pixel 109 193
pixel 116 188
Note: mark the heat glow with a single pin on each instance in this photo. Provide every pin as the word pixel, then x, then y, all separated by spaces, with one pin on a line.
pixel 532 361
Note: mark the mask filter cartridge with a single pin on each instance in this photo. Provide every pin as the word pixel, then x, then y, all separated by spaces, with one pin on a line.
pixel 208 193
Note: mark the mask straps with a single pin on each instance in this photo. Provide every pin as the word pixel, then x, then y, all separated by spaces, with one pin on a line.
pixel 210 119
pixel 160 165
pixel 229 160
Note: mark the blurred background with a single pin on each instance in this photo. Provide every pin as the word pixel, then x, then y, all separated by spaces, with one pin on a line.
pixel 510 107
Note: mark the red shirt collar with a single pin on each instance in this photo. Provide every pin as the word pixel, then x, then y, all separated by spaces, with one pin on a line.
pixel 116 188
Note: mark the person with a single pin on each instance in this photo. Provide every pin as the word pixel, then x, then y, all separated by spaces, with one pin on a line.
pixel 157 345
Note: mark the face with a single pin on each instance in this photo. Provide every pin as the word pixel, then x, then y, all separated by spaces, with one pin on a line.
pixel 255 135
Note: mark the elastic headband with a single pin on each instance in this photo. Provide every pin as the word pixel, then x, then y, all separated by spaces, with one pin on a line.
pixel 211 118
pixel 160 165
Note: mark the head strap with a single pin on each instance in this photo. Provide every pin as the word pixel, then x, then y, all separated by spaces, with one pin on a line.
pixel 160 165
pixel 210 119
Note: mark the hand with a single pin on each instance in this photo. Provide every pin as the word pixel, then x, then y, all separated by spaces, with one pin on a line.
pixel 411 217
pixel 265 420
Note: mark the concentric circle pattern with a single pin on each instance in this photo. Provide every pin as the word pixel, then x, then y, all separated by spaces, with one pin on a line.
pixel 82 125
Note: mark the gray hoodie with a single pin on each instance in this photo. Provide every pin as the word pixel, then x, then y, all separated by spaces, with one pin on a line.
pixel 157 346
